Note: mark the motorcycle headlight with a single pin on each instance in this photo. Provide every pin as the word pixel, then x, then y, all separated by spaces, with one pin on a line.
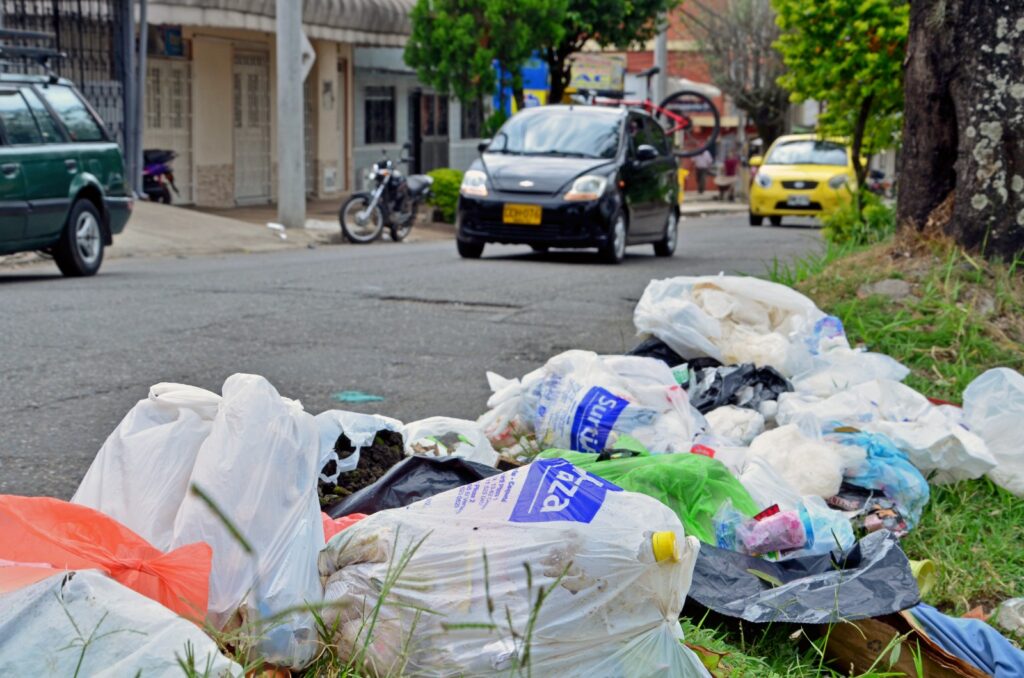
pixel 474 182
pixel 838 181
pixel 763 180
pixel 587 187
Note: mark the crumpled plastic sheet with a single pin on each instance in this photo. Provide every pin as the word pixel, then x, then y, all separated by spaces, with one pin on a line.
pixel 871 579
pixel 409 481
pixel 742 385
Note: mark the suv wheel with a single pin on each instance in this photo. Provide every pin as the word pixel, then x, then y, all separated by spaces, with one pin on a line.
pixel 615 251
pixel 667 246
pixel 79 252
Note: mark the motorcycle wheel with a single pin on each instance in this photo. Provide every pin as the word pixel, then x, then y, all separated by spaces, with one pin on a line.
pixel 351 228
pixel 400 232
pixel 164 195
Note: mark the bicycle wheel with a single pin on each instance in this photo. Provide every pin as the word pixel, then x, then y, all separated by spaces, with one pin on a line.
pixel 691 122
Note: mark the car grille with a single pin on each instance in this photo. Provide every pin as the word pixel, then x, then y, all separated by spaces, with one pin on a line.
pixel 499 230
pixel 812 207
pixel 800 185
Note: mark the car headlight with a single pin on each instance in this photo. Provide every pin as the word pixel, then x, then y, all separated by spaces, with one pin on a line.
pixel 587 187
pixel 763 180
pixel 838 181
pixel 474 182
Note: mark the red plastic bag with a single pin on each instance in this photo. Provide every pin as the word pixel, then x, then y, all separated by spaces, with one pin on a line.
pixel 42 530
pixel 333 526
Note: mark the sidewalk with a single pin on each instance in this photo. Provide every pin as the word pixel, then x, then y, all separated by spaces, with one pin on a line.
pixel 695 204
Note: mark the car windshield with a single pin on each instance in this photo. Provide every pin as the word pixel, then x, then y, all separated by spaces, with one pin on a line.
pixel 563 133
pixel 807 152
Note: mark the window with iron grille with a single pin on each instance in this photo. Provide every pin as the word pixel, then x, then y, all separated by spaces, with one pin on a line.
pixel 379 122
pixel 472 119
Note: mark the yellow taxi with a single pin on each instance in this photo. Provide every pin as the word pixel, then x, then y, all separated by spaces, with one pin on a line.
pixel 800 175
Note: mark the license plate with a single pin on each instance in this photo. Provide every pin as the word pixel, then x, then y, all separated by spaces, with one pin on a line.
pixel 526 215
pixel 798 201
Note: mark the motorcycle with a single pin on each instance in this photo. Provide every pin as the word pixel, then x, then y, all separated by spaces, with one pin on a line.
pixel 157 174
pixel 393 202
pixel 877 183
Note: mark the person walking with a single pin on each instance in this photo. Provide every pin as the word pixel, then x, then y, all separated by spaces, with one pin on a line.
pixel 702 163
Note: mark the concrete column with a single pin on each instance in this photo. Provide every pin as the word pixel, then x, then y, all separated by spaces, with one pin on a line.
pixel 291 167
pixel 661 60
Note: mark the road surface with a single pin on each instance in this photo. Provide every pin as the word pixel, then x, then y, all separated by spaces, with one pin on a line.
pixel 410 322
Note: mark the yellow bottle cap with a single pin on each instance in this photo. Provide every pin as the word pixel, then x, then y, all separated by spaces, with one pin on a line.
pixel 665 547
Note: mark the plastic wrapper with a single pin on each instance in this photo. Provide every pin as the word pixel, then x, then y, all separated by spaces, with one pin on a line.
pixel 443 436
pixel 843 368
pixel 888 470
pixel 131 635
pixel 994 410
pixel 259 466
pixel 741 385
pixel 584 402
pixel 934 437
pixel 870 579
pixel 164 430
pixel 409 481
pixel 812 466
pixel 615 565
pixel 359 429
pixel 737 425
pixel 694 486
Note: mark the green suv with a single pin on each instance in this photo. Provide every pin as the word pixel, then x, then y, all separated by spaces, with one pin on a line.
pixel 63 188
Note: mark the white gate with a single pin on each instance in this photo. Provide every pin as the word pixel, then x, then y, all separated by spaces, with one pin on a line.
pixel 169 117
pixel 252 127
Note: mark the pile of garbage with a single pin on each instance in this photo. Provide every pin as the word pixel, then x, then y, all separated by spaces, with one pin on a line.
pixel 744 460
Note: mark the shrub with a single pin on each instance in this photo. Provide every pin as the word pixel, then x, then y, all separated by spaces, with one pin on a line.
pixel 446 192
pixel 871 223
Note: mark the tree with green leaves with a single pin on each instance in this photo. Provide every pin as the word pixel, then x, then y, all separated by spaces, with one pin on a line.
pixel 848 55
pixel 454 43
pixel 623 24
pixel 737 39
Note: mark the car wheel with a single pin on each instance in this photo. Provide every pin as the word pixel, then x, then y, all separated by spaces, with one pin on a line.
pixel 469 250
pixel 615 251
pixel 755 220
pixel 79 252
pixel 667 246
pixel 776 221
pixel 539 249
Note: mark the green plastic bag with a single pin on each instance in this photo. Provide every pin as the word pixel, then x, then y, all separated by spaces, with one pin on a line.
pixel 692 485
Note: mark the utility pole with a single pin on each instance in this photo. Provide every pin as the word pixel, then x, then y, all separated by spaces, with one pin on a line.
pixel 291 165
pixel 661 60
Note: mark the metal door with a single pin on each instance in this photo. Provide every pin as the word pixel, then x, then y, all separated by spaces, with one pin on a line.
pixel 433 132
pixel 309 123
pixel 169 117
pixel 252 127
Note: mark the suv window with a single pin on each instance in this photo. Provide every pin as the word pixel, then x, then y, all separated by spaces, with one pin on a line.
pixel 76 117
pixel 19 125
pixel 656 136
pixel 644 130
pixel 51 134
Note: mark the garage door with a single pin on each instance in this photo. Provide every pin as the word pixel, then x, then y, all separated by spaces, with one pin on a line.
pixel 169 117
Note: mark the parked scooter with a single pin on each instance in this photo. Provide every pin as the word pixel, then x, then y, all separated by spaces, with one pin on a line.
pixel 394 203
pixel 158 175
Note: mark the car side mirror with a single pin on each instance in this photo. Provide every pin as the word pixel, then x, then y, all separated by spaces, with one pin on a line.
pixel 482 146
pixel 756 160
pixel 646 152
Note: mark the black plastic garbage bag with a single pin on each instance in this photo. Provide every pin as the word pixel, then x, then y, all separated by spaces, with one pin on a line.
pixel 410 480
pixel 653 347
pixel 743 385
pixel 873 578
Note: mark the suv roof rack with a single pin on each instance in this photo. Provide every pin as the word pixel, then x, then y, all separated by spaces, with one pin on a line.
pixel 41 55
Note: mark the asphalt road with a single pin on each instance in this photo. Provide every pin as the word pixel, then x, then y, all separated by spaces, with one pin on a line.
pixel 410 322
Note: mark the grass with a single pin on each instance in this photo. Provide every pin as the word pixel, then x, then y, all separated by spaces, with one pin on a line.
pixel 963 317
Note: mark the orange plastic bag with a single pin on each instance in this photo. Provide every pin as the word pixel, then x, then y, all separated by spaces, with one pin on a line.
pixel 42 530
pixel 333 526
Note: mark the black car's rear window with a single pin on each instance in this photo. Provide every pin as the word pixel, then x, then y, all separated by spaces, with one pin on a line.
pixel 560 133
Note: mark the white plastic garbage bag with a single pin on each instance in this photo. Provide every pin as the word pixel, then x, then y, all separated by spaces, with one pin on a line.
pixel 811 466
pixel 994 410
pixel 359 428
pixel 582 401
pixel 615 567
pixel 443 436
pixel 933 437
pixel 259 467
pixel 738 425
pixel 140 475
pixel 44 626
pixel 842 368
pixel 737 320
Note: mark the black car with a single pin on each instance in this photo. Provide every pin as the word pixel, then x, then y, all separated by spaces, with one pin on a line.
pixel 572 176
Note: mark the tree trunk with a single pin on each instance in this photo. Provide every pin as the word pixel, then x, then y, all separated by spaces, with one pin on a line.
pixel 963 130
pixel 863 115
pixel 559 71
